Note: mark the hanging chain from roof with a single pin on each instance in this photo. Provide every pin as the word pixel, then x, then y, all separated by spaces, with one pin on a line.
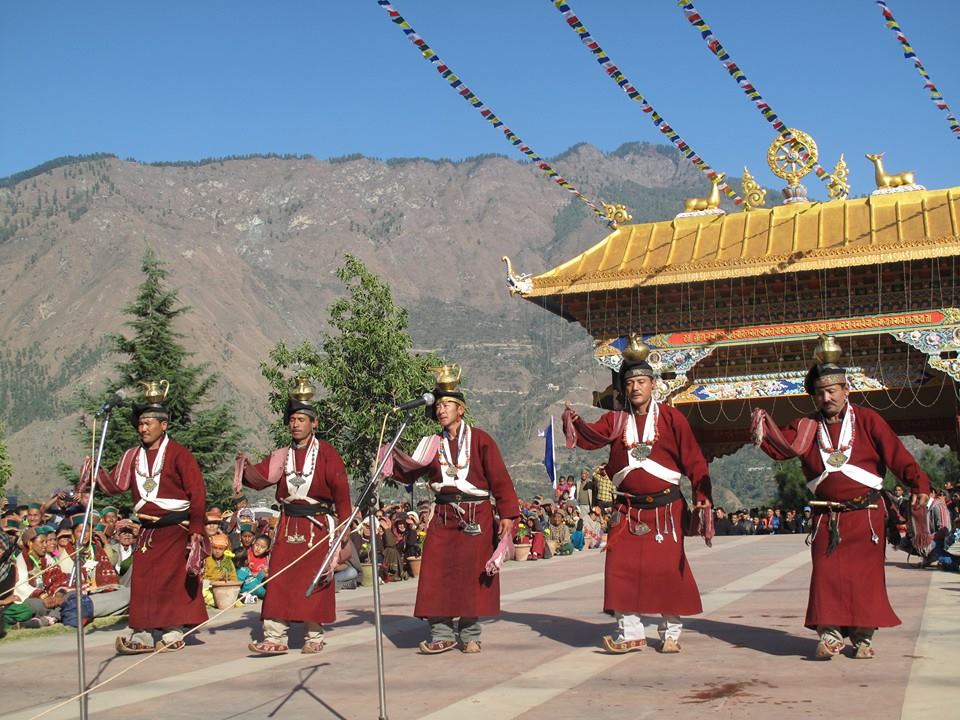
pixel 910 54
pixel 620 79
pixel 713 43
pixel 463 91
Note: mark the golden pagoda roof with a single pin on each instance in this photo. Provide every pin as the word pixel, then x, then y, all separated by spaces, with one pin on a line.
pixel 881 228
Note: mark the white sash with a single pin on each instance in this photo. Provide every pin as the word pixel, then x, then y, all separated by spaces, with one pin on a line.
pixel 142 474
pixel 858 474
pixel 462 462
pixel 649 433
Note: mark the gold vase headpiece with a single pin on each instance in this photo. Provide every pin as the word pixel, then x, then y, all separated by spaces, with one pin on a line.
pixel 448 377
pixel 637 351
pixel 154 391
pixel 303 389
pixel 828 350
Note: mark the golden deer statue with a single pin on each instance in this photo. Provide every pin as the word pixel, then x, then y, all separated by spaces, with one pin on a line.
pixel 888 181
pixel 710 202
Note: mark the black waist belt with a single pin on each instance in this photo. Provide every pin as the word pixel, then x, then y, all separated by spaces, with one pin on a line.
pixel 447 498
pixel 860 502
pixel 324 507
pixel 653 500
pixel 171 518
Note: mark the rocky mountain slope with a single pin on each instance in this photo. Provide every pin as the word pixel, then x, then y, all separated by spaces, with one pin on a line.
pixel 253 243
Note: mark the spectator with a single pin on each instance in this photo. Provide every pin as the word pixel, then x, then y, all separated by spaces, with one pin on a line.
pixel 605 487
pixel 560 534
pixel 241 550
pixel 721 523
pixel 587 488
pixel 217 567
pixel 255 570
pixel 806 520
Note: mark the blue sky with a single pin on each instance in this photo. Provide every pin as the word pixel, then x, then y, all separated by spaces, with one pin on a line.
pixel 185 80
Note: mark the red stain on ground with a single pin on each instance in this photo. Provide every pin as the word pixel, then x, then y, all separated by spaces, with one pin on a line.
pixel 715 692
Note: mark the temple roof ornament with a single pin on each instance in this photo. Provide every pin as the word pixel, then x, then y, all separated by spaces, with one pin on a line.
pixel 709 205
pixel 788 161
pixel 616 213
pixel 517 283
pixel 754 196
pixel 840 189
pixel 900 182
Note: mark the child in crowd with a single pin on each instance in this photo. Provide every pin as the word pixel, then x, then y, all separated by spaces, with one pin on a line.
pixel 255 572
pixel 217 567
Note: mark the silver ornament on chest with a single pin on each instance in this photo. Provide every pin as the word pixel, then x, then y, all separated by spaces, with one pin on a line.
pixel 641 452
pixel 451 471
pixel 150 485
pixel 837 459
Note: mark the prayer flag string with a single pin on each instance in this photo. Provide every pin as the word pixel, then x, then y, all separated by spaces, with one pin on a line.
pixel 461 89
pixel 620 79
pixel 713 44
pixel 910 54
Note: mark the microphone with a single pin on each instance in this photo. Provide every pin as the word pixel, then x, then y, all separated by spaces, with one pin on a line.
pixel 118 397
pixel 425 399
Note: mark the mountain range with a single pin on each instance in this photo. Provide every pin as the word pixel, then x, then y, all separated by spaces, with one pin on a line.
pixel 252 244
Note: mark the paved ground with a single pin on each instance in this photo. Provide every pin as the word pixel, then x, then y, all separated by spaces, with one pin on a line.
pixel 747 655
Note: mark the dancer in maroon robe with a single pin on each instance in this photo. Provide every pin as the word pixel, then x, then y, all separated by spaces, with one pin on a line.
pixel 169 497
pixel 314 496
pixel 845 452
pixel 464 469
pixel 646 570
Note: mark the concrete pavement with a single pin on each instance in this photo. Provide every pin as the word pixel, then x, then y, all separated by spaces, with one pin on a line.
pixel 747 655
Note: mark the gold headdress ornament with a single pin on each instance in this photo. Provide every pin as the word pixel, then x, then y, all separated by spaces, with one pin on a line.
pixel 303 389
pixel 154 391
pixel 448 377
pixel 636 351
pixel 828 350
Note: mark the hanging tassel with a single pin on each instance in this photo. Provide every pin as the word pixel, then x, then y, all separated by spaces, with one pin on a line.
pixel 834 528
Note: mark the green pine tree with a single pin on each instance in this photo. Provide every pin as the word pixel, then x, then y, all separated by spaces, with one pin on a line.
pixel 364 367
pixel 6 469
pixel 154 352
pixel 792 491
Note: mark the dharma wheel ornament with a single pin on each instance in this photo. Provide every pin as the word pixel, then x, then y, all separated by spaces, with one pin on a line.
pixel 787 160
pixel 828 350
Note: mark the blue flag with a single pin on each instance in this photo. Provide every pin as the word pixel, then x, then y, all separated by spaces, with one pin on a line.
pixel 549 456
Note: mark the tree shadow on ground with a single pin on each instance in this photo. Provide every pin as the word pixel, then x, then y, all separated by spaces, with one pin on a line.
pixel 769 641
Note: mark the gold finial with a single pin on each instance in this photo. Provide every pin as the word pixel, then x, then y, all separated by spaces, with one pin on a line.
pixel 616 213
pixel 637 350
pixel 754 195
pixel 888 181
pixel 839 186
pixel 710 202
pixel 154 391
pixel 303 389
pixel 828 350
pixel 448 376
pixel 785 159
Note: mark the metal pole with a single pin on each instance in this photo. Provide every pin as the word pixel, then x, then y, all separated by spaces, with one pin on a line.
pixel 377 623
pixel 78 574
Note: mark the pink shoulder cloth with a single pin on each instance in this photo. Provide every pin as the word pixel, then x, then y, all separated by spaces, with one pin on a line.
pixel 588 433
pixel 764 429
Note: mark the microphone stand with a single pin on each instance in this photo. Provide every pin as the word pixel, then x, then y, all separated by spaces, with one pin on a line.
pixel 368 498
pixel 78 565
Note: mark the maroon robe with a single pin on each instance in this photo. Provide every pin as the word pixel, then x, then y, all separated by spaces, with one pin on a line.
pixel 286 593
pixel 848 587
pixel 640 574
pixel 162 595
pixel 452 580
